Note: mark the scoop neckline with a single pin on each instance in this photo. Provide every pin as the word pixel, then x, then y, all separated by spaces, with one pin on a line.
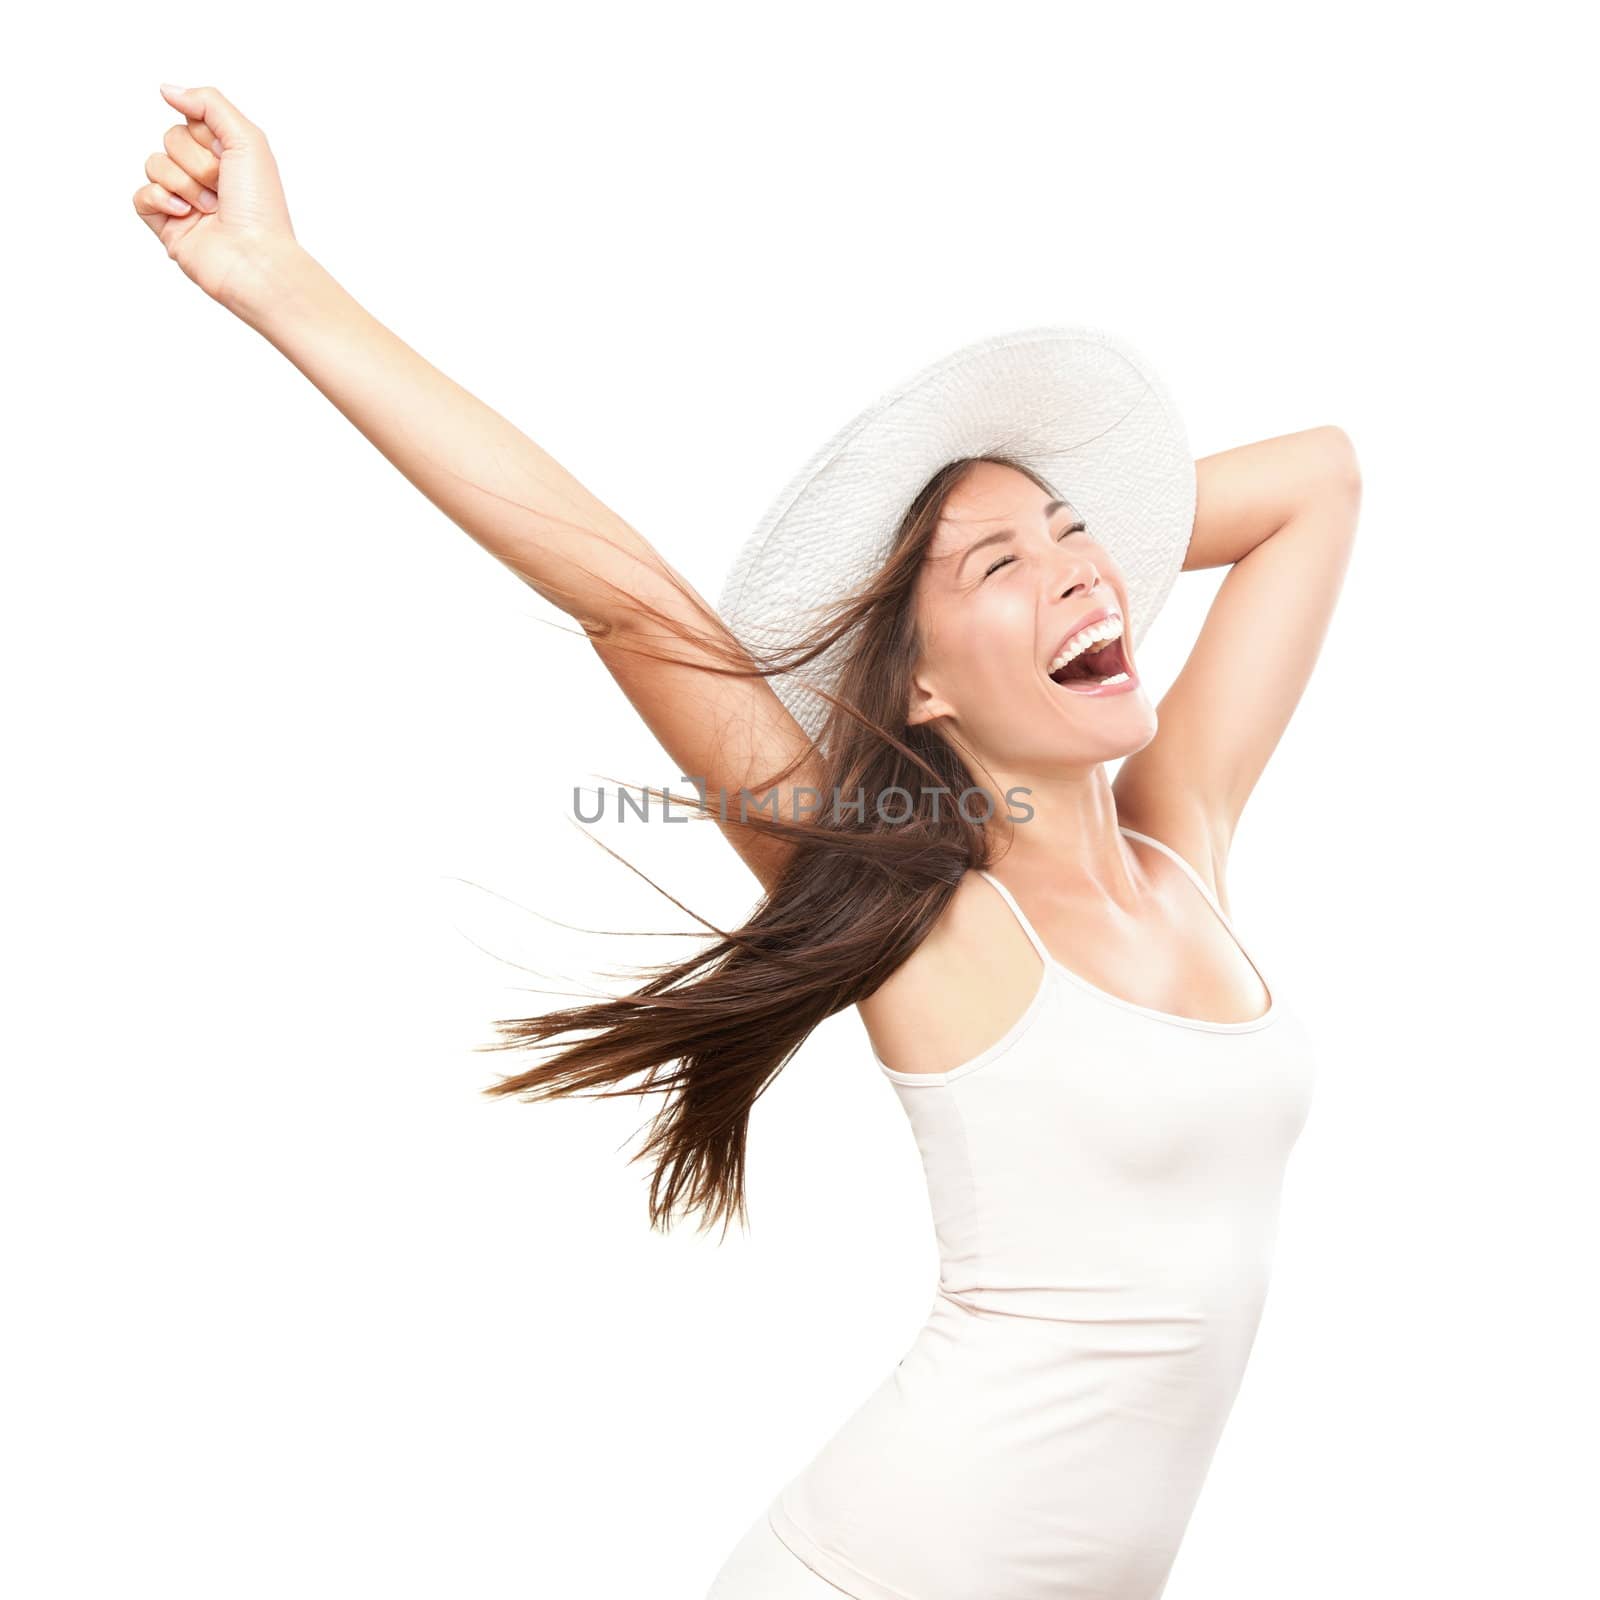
pixel 1054 970
pixel 1177 1019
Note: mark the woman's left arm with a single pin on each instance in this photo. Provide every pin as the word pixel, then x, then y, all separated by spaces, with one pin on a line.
pixel 1282 514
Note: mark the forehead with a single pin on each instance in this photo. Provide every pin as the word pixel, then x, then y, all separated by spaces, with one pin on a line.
pixel 992 501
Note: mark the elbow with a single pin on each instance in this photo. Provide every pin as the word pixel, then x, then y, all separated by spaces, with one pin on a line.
pixel 1342 468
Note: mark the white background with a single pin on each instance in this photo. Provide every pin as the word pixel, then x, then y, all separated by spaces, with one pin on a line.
pixel 294 1308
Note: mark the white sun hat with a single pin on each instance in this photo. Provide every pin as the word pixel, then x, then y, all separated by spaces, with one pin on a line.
pixel 1079 406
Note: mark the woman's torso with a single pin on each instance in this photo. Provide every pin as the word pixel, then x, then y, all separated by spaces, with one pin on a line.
pixel 1104 1180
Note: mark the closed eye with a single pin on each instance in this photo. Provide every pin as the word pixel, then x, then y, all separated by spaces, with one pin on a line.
pixel 1076 527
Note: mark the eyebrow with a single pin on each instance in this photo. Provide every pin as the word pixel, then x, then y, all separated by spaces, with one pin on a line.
pixel 1004 534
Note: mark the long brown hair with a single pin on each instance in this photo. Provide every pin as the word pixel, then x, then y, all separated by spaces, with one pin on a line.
pixel 856 896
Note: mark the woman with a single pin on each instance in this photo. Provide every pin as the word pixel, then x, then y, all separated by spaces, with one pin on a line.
pixel 900 720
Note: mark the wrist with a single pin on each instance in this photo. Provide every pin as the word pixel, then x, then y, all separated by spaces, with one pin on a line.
pixel 271 284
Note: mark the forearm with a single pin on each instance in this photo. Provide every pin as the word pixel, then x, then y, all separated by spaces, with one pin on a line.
pixel 487 476
pixel 1246 495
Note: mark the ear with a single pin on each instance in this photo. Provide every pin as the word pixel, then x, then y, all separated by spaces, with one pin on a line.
pixel 926 703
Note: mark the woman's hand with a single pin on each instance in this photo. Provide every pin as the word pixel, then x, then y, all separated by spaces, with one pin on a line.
pixel 214 198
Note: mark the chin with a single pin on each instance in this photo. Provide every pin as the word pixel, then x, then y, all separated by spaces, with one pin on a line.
pixel 1148 723
pixel 1125 733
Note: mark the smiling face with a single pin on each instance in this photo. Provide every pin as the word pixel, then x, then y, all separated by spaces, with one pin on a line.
pixel 1011 581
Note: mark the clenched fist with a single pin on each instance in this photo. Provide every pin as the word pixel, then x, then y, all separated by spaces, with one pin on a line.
pixel 214 198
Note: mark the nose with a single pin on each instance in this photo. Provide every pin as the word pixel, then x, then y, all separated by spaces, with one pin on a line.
pixel 1080 577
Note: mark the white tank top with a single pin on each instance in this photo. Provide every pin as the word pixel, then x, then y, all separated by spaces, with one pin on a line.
pixel 1104 1182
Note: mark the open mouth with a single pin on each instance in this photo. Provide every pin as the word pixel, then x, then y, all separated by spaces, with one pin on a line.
pixel 1104 664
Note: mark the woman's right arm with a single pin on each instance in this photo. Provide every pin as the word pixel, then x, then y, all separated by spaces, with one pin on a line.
pixel 487 476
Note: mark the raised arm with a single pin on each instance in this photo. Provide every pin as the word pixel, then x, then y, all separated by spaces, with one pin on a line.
pixel 489 478
pixel 1282 515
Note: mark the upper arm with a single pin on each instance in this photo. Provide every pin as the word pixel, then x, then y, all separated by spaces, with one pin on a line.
pixel 727 731
pixel 1282 514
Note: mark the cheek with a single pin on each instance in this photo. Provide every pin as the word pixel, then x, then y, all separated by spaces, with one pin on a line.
pixel 988 648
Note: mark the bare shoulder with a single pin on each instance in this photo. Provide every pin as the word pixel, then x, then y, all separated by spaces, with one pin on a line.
pixel 959 991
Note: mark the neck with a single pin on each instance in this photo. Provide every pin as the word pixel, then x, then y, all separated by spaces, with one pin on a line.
pixel 1072 838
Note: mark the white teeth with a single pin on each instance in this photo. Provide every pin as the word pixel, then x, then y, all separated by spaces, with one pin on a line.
pixel 1088 639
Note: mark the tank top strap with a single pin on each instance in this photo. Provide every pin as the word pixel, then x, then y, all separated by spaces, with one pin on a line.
pixel 1188 871
pixel 1016 911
